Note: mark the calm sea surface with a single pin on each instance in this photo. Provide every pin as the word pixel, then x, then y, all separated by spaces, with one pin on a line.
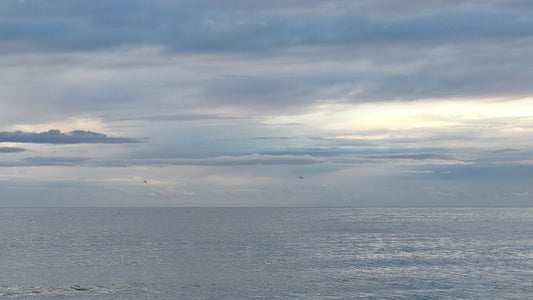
pixel 266 253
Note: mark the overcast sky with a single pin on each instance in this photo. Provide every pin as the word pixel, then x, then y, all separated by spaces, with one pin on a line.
pixel 266 103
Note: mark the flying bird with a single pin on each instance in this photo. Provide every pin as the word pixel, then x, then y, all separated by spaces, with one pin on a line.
pixel 145 181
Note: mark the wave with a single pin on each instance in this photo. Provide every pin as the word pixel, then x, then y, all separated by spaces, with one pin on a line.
pixel 21 291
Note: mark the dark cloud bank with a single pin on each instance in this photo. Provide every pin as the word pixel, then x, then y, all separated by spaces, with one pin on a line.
pixel 413 49
pixel 57 137
pixel 208 26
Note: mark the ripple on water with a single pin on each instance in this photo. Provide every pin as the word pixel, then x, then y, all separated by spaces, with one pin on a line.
pixel 75 290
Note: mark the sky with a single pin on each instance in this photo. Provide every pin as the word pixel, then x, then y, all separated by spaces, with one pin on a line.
pixel 266 103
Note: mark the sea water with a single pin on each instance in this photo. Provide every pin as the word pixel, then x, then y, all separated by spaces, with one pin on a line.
pixel 266 253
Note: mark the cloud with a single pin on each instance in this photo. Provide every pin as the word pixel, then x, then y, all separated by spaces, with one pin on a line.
pixel 438 89
pixel 400 159
pixel 39 161
pixel 59 25
pixel 522 194
pixel 414 156
pixel 416 172
pixel 57 137
pixel 183 117
pixel 504 150
pixel 116 81
pixel 273 138
pixel 288 54
pixel 54 161
pixel 482 172
pixel 11 150
pixel 244 160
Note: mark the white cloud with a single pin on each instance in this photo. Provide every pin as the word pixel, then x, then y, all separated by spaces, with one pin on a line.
pixel 437 113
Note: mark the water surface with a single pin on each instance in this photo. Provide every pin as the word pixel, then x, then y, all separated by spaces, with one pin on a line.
pixel 266 253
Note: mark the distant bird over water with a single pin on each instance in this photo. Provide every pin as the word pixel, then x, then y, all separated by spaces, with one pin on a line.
pixel 145 181
pixel 301 177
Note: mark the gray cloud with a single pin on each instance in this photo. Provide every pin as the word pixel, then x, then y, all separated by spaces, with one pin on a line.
pixel 504 150
pixel 243 160
pixel 236 160
pixel 57 137
pixel 485 172
pixel 273 138
pixel 60 25
pixel 286 56
pixel 11 149
pixel 54 161
pixel 40 161
pixel 192 117
pixel 253 159
pixel 415 156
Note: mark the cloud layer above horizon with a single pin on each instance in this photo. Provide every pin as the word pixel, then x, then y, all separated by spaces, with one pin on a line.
pixel 229 102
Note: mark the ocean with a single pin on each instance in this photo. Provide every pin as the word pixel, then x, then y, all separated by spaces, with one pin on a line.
pixel 266 253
